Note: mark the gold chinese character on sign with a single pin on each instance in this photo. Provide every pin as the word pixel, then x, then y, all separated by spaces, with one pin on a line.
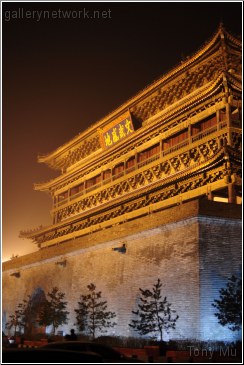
pixel 122 131
pixel 115 136
pixel 114 133
pixel 128 126
pixel 108 140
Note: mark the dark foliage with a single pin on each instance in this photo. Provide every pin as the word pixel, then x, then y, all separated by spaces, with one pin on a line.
pixel 92 314
pixel 25 317
pixel 229 304
pixel 53 311
pixel 155 315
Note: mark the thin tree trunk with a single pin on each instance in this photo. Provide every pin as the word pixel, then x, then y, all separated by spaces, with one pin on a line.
pixel 93 318
pixel 161 335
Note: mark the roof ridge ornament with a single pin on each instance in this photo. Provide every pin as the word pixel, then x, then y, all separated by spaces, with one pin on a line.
pixel 221 30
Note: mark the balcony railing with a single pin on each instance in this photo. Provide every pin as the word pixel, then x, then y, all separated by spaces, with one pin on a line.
pixel 118 175
pixel 203 134
pixel 138 165
pixel 95 186
pixel 148 160
pixel 62 202
pixel 222 125
pixel 175 148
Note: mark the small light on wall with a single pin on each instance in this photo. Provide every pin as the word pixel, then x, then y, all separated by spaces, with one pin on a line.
pixel 121 249
pixel 16 274
pixel 61 263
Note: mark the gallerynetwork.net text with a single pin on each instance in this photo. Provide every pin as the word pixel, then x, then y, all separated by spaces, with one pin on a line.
pixel 38 15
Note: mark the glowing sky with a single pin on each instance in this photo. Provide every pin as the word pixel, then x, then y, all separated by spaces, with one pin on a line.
pixel 61 75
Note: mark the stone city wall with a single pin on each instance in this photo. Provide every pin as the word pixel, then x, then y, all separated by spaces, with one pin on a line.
pixel 220 245
pixel 167 247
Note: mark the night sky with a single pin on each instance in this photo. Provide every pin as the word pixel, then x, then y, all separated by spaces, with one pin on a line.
pixel 60 75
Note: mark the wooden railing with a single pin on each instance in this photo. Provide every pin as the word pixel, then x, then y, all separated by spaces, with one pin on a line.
pixel 175 148
pixel 138 165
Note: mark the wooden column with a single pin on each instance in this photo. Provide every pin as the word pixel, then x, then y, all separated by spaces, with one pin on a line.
pixel 189 133
pixel 210 195
pixel 228 121
pixel 231 193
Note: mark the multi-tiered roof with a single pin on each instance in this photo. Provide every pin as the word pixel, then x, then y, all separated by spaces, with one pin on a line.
pixel 177 139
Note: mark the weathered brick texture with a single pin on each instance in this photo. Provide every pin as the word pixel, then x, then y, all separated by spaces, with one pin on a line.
pixel 220 257
pixel 192 254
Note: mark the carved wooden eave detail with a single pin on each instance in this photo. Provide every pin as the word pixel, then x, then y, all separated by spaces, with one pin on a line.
pixel 160 122
pixel 219 46
pixel 82 145
pixel 144 194
pixel 31 232
pixel 234 82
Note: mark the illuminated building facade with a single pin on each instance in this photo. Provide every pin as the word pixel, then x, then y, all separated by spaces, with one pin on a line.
pixel 158 180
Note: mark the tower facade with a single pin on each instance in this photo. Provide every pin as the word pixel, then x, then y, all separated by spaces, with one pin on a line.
pixel 151 190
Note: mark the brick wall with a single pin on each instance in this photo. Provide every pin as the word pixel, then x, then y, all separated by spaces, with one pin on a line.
pixel 162 245
pixel 220 257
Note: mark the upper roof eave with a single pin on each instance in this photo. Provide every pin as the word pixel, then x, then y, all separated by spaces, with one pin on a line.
pixel 50 158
